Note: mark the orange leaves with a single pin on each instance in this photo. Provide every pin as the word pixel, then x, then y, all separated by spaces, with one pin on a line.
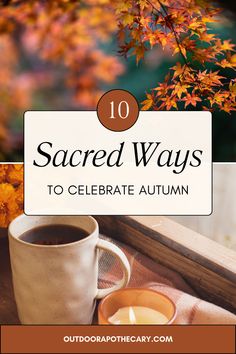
pixel 165 39
pixel 178 69
pixel 226 63
pixel 71 33
pixel 218 98
pixel 191 100
pixel 181 89
pixel 210 79
pixel 178 26
pixel 123 7
pixel 127 19
pixel 16 89
pixel 232 86
pixel 162 89
pixel 193 87
pixel 207 37
pixel 182 28
pixel 169 102
pixel 143 4
pixel 227 45
pixel 215 79
pixel 125 13
pixel 139 52
pixel 179 48
pixel 148 103
pixel 152 38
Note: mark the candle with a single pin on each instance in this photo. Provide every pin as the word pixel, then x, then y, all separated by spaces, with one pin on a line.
pixel 136 306
pixel 138 315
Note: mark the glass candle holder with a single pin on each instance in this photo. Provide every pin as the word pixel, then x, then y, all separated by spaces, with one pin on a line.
pixel 141 302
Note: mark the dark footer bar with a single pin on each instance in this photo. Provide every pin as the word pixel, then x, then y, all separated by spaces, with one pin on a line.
pixel 118 339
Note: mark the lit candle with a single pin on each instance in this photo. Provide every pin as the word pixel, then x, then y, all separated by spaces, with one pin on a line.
pixel 136 306
pixel 138 315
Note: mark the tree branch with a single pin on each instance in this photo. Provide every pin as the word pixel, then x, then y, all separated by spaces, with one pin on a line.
pixel 171 25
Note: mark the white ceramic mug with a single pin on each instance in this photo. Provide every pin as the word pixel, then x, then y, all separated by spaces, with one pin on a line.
pixel 57 284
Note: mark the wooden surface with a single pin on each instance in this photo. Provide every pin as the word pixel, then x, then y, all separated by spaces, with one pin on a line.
pixel 191 244
pixel 207 266
pixel 221 225
pixel 8 312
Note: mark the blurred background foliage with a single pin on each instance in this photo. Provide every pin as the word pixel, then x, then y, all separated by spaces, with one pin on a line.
pixel 50 91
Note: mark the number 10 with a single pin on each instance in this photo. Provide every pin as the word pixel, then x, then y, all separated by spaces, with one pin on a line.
pixel 126 107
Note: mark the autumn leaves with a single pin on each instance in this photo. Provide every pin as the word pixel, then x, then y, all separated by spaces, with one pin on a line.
pixel 181 27
pixel 71 34
pixel 191 86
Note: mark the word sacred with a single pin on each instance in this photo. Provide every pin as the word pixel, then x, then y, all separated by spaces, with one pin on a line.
pixel 144 153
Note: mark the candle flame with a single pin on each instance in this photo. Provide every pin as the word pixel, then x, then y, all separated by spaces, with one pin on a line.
pixel 132 317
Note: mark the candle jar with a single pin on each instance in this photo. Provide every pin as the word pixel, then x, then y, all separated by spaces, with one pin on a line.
pixel 134 298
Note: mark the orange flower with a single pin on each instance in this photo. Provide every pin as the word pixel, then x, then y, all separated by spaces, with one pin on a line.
pixel 11 192
pixel 15 174
pixel 3 170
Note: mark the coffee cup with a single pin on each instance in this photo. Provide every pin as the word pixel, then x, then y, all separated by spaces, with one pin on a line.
pixel 57 283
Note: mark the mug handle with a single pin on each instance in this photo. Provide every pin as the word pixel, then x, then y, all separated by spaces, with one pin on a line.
pixel 115 251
